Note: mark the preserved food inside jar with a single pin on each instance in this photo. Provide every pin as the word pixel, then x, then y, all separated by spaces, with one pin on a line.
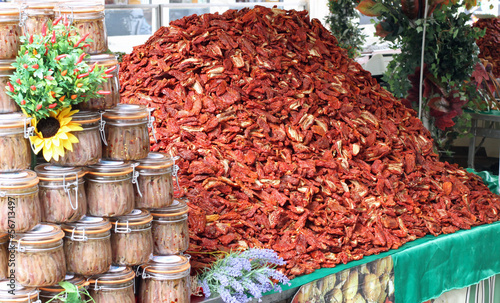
pixel 7 104
pixel 170 229
pixel 88 18
pixel 4 255
pixel 18 294
pixel 165 279
pixel 88 150
pixel 131 238
pixel 112 84
pixel 109 188
pixel 155 184
pixel 19 199
pixel 14 146
pixel 34 14
pixel 62 193
pixel 115 286
pixel 126 132
pixel 87 246
pixel 50 292
pixel 10 31
pixel 39 256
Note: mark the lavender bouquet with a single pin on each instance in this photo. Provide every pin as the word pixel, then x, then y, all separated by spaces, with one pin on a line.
pixel 241 276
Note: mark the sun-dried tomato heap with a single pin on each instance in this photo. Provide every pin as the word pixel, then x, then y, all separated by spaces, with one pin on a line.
pixel 286 143
pixel 488 45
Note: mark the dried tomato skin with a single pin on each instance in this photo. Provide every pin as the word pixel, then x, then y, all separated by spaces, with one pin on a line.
pixel 286 143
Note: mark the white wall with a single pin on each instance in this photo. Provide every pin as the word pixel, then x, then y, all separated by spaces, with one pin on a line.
pixel 318 9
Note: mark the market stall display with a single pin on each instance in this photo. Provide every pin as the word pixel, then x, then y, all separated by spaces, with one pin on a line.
pixel 488 44
pixel 286 143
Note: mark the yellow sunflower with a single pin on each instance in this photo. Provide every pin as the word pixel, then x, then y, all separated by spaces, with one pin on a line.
pixel 53 134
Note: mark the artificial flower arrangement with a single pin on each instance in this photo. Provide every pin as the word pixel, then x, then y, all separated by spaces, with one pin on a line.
pixel 51 76
pixel 72 294
pixel 241 276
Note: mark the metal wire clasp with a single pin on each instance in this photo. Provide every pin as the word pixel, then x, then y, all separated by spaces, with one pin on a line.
pixel 102 123
pixel 37 296
pixel 28 132
pixel 67 188
pixel 135 176
pixel 19 247
pixel 151 119
pixel 175 170
pixel 122 230
pixel 80 238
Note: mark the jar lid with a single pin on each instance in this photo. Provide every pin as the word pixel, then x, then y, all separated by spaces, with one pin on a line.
pixel 4 238
pixel 20 179
pixel 9 9
pixel 21 293
pixel 49 172
pixel 6 64
pixel 13 120
pixel 83 117
pixel 87 225
pixel 156 160
pixel 37 4
pixel 167 264
pixel 41 234
pixel 115 275
pixel 80 7
pixel 136 217
pixel 178 207
pixel 126 111
pixel 74 279
pixel 105 60
pixel 110 168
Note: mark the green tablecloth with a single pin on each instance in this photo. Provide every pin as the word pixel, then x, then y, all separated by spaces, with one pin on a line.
pixel 429 266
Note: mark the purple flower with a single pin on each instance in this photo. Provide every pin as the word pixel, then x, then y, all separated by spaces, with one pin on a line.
pixel 263 255
pixel 253 288
pixel 240 263
pixel 222 279
pixel 206 288
pixel 236 285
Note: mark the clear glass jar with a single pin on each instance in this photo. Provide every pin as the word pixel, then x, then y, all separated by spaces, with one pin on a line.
pixel 34 14
pixel 170 229
pixel 131 238
pixel 4 255
pixel 88 18
pixel 19 294
pixel 10 31
pixel 19 204
pixel 108 61
pixel 88 150
pixel 165 279
pixel 39 256
pixel 109 188
pixel 62 193
pixel 87 246
pixel 117 285
pixel 49 292
pixel 14 144
pixel 7 104
pixel 155 184
pixel 126 132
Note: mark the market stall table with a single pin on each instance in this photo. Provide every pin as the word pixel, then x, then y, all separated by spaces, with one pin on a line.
pixel 424 268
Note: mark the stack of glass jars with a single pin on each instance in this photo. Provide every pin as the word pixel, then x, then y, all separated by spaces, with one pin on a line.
pixel 112 198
